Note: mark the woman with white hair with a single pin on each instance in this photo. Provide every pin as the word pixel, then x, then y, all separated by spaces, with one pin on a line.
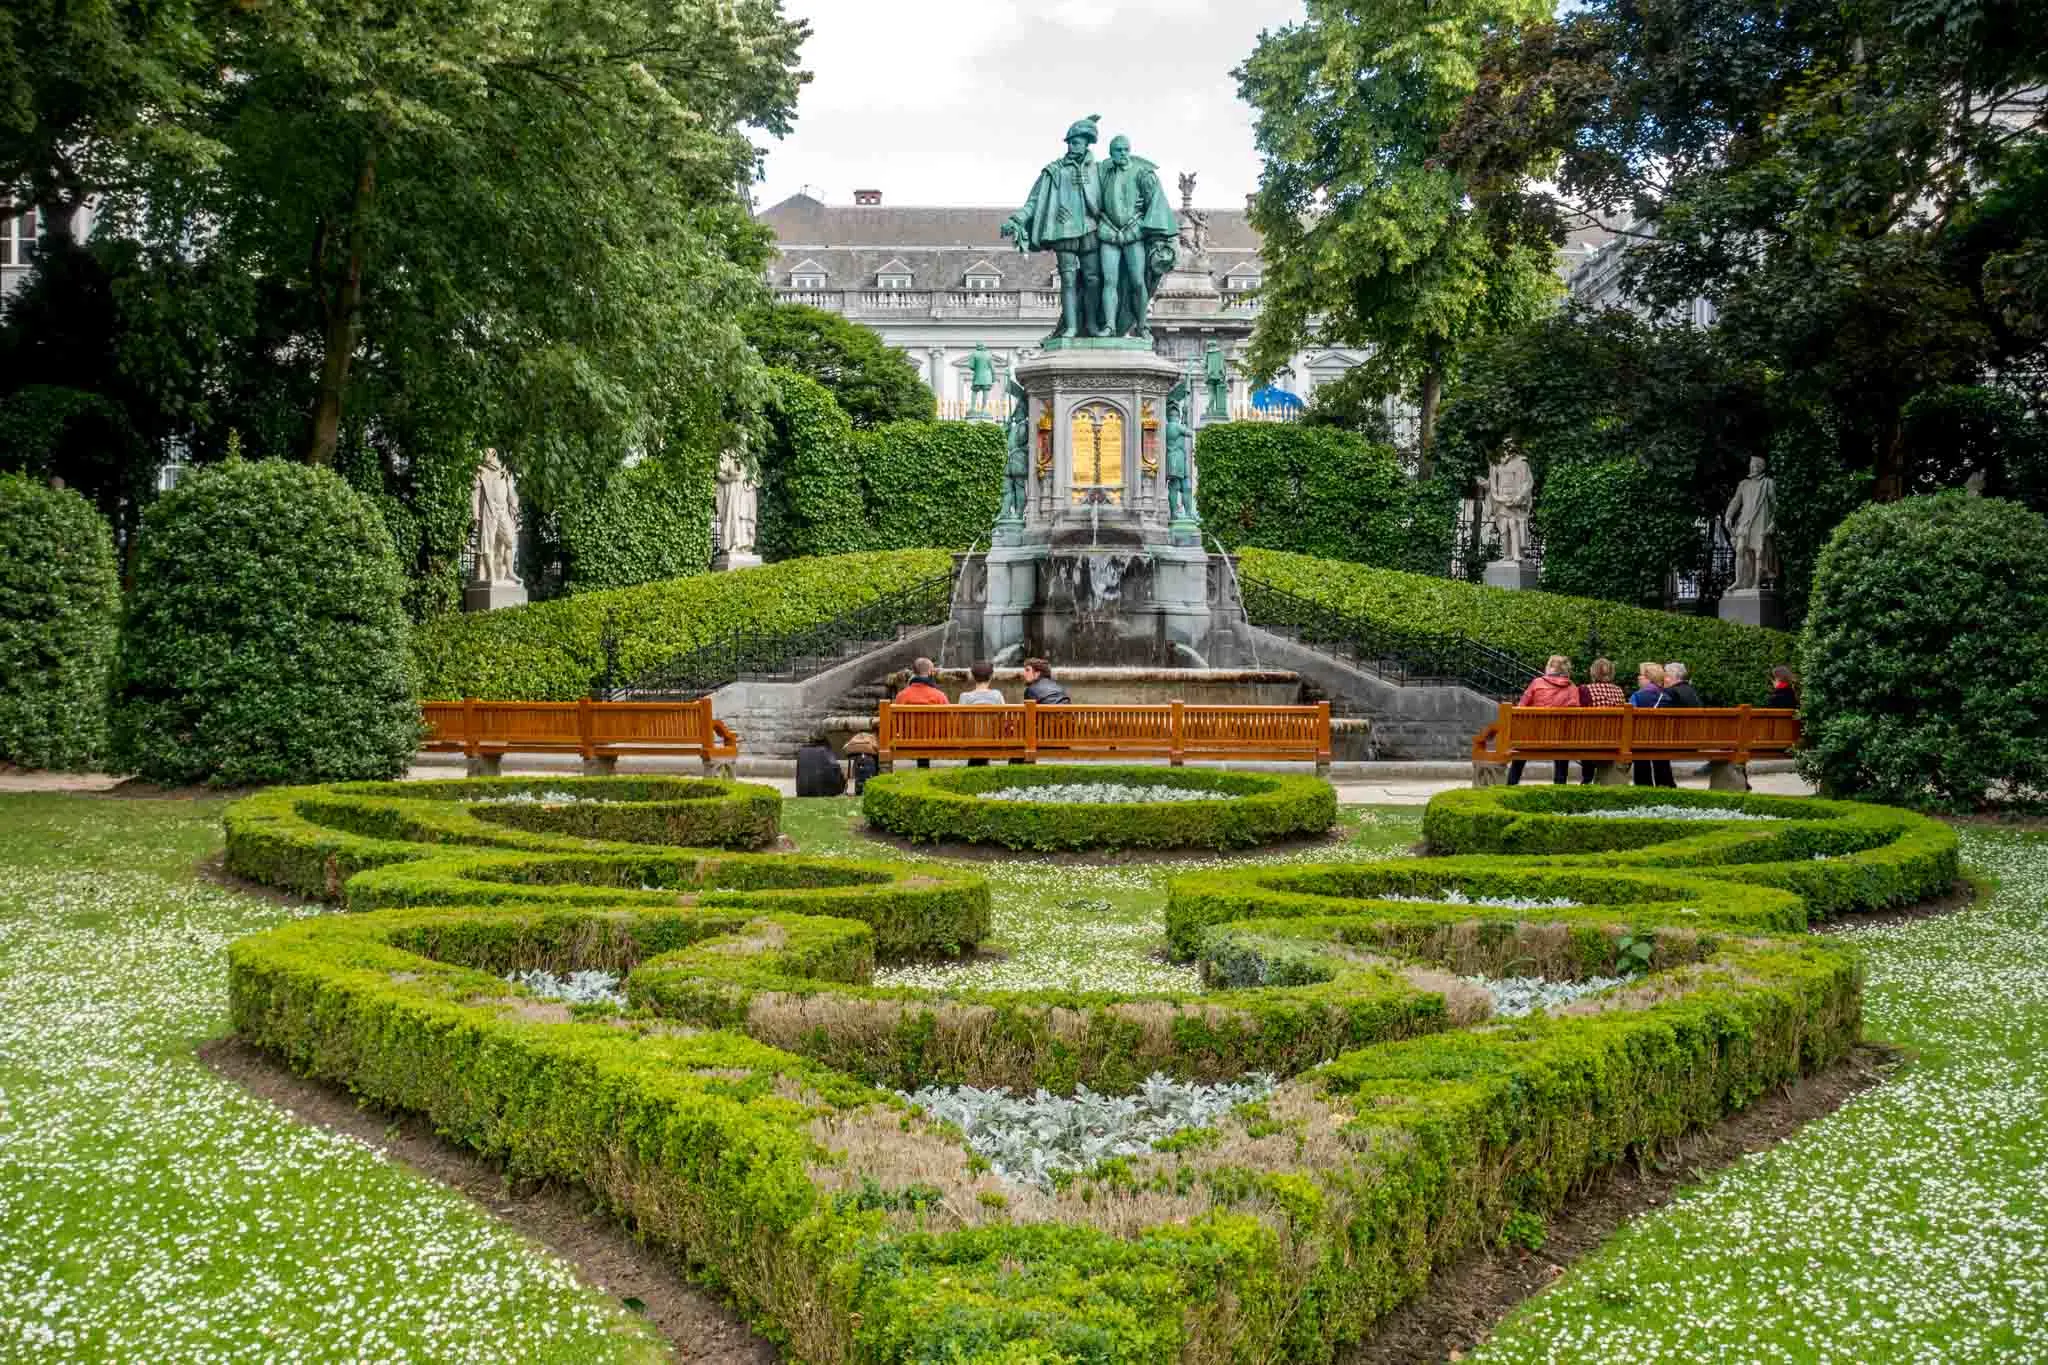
pixel 1678 688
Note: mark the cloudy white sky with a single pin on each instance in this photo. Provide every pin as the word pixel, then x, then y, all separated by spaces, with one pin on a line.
pixel 961 101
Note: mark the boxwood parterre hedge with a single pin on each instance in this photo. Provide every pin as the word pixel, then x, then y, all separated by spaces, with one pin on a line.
pixel 941 805
pixel 730 1113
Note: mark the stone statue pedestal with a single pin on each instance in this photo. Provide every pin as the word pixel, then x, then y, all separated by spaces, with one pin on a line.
pixel 492 596
pixel 1094 573
pixel 1518 574
pixel 723 562
pixel 1752 607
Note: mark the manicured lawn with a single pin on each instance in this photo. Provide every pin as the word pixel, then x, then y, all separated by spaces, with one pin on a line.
pixel 1910 1225
pixel 149 1210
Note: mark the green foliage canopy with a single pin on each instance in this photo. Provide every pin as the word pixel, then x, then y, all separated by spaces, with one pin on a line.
pixel 872 382
pixel 1368 240
pixel 264 639
pixel 59 600
pixel 1312 490
pixel 1924 661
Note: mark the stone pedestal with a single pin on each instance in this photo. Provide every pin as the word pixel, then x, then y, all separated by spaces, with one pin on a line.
pixel 492 596
pixel 1727 777
pixel 1519 574
pixel 1752 607
pixel 726 563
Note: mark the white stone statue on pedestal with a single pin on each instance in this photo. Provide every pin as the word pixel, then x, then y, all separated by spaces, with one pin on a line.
pixel 494 503
pixel 1510 497
pixel 737 503
pixel 1752 519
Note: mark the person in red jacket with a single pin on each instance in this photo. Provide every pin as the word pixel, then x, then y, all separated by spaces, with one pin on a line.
pixel 922 690
pixel 1554 688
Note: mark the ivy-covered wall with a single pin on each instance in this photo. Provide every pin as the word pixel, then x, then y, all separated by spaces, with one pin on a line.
pixel 810 477
pixel 1310 490
pixel 1611 528
pixel 653 522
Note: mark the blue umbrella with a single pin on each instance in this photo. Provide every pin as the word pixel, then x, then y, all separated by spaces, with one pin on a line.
pixel 1275 400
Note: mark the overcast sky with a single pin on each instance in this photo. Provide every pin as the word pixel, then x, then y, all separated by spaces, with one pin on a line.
pixel 961 101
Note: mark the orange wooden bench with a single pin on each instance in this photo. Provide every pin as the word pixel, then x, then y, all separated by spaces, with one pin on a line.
pixel 600 732
pixel 1726 737
pixel 1174 731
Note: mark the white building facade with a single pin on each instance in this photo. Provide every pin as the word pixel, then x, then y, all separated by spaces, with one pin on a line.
pixel 935 282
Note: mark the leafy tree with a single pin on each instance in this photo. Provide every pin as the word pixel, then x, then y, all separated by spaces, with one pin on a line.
pixel 1355 401
pixel 1861 191
pixel 264 640
pixel 872 382
pixel 1369 241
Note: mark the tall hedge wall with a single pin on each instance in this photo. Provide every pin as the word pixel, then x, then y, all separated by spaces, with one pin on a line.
pixel 1729 662
pixel 60 598
pixel 831 489
pixel 930 483
pixel 1611 529
pixel 1310 490
pixel 550 651
pixel 652 523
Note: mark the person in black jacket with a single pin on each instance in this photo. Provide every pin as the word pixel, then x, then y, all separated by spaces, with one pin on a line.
pixel 1678 689
pixel 1783 696
pixel 1040 687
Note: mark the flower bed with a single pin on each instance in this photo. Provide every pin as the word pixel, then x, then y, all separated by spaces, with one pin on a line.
pixel 742 1111
pixel 1071 807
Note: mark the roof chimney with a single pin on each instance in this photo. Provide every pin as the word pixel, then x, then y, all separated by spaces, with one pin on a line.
pixel 868 198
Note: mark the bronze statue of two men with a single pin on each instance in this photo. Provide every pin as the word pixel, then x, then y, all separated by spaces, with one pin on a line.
pixel 1111 228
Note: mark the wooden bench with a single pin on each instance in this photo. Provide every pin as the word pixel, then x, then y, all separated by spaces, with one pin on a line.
pixel 600 732
pixel 1725 737
pixel 1173 731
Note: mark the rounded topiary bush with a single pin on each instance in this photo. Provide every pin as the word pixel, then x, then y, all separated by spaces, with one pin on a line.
pixel 60 598
pixel 265 640
pixel 1924 658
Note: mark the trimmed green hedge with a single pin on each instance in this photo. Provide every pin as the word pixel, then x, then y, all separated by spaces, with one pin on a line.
pixel 550 651
pixel 60 598
pixel 653 522
pixel 1925 655
pixel 946 805
pixel 1730 663
pixel 264 639
pixel 810 476
pixel 1307 489
pixel 930 483
pixel 857 1230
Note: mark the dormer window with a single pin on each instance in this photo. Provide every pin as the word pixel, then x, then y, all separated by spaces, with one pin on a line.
pixel 892 281
pixel 807 275
pixel 983 278
pixel 1241 281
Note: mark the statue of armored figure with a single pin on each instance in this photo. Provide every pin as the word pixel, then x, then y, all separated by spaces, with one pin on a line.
pixel 1017 459
pixel 1510 497
pixel 1752 520
pixel 1180 464
pixel 1111 230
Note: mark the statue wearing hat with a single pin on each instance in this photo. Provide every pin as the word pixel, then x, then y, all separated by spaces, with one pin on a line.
pixel 1138 234
pixel 1061 216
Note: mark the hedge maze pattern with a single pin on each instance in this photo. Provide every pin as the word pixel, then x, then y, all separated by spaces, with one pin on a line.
pixel 735 1112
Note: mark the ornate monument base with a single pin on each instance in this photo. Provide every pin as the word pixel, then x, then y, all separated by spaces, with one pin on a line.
pixel 492 596
pixel 1095 572
pixel 1511 573
pixel 1752 607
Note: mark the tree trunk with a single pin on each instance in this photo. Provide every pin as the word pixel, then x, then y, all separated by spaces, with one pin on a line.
pixel 1432 397
pixel 1891 468
pixel 344 315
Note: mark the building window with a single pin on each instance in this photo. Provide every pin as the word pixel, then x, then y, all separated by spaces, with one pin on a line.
pixel 984 283
pixel 18 238
pixel 807 281
pixel 892 281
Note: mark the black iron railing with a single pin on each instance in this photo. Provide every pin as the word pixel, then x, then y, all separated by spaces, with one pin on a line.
pixel 787 655
pixel 1399 655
